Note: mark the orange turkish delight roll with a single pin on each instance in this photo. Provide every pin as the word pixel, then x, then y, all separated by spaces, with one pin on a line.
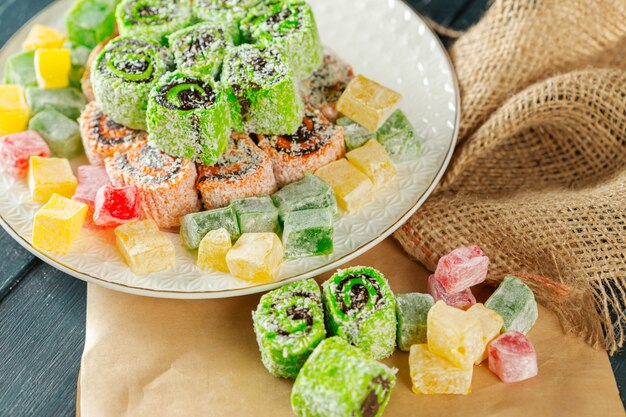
pixel 166 183
pixel 317 142
pixel 102 137
pixel 243 170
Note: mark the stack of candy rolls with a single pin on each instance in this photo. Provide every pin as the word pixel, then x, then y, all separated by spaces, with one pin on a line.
pixel 152 19
pixel 242 171
pixel 288 26
pixel 289 324
pixel 263 95
pixel 85 81
pixel 188 117
pixel 102 137
pixel 361 308
pixel 123 75
pixel 200 49
pixel 227 13
pixel 166 183
pixel 323 88
pixel 316 143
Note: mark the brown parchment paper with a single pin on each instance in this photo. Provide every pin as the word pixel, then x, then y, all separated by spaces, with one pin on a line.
pixel 154 357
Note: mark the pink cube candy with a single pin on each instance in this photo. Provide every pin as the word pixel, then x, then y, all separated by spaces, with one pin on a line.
pixel 512 357
pixel 462 268
pixel 16 149
pixel 90 179
pixel 463 299
pixel 116 205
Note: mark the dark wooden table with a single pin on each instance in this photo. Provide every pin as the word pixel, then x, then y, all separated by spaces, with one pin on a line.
pixel 42 310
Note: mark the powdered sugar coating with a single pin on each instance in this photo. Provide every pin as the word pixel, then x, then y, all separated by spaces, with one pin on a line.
pixel 512 357
pixel 16 149
pixel 242 171
pixel 316 143
pixel 152 19
pixel 462 268
pixel 463 299
pixel 90 179
pixel 166 183
pixel 116 205
pixel 102 137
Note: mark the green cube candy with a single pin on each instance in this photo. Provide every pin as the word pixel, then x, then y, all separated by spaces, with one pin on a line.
pixel 412 312
pixel 194 226
pixel 311 192
pixel 338 380
pixel 399 138
pixel 289 324
pixel 308 233
pixel 80 56
pixel 290 28
pixel 355 135
pixel 90 22
pixel 20 69
pixel 361 308
pixel 256 215
pixel 200 49
pixel 68 101
pixel 515 303
pixel 264 98
pixel 152 20
pixel 188 117
pixel 61 133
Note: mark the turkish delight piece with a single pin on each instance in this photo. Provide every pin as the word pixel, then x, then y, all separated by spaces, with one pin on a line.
pixel 490 322
pixel 308 233
pixel 116 205
pixel 372 160
pixel 213 249
pixel 255 257
pixel 144 247
pixel 412 313
pixel 432 374
pixel 352 188
pixel 57 224
pixel 16 150
pixel 462 268
pixel 14 111
pixel 47 176
pixel 515 302
pixel 512 357
pixel 462 299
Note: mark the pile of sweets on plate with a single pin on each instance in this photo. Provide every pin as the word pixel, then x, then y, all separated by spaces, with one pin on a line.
pixel 446 333
pixel 230 105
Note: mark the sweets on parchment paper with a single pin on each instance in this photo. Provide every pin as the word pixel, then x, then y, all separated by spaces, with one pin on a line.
pixel 361 308
pixel 433 374
pixel 491 324
pixel 412 313
pixel 515 302
pixel 462 268
pixel 339 380
pixel 289 324
pixel 166 183
pixel 462 299
pixel 316 143
pixel 512 357
pixel 243 170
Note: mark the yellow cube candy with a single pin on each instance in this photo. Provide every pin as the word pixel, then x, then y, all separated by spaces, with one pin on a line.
pixel 213 249
pixel 14 111
pixel 47 176
pixel 372 160
pixel 368 103
pixel 255 257
pixel 491 324
pixel 52 67
pixel 432 374
pixel 43 37
pixel 57 224
pixel 144 247
pixel 454 334
pixel 352 188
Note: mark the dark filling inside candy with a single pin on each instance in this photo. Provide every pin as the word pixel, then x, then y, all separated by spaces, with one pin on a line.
pixel 108 132
pixel 371 405
pixel 186 94
pixel 295 312
pixel 359 294
pixel 131 60
pixel 284 21
pixel 198 47
pixel 312 135
pixel 236 162
pixel 151 166
pixel 149 12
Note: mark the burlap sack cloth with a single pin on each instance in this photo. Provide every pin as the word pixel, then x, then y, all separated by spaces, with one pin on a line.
pixel 539 176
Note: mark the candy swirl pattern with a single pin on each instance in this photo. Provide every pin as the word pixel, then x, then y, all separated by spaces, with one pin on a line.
pixel 200 49
pixel 289 324
pixel 166 183
pixel 152 19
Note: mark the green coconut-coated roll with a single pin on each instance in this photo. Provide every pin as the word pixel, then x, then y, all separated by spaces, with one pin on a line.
pixel 361 308
pixel 289 324
pixel 264 97
pixel 152 19
pixel 227 13
pixel 338 380
pixel 200 49
pixel 122 77
pixel 188 117
pixel 289 27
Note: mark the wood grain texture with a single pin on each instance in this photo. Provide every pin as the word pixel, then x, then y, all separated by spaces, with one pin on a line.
pixel 42 310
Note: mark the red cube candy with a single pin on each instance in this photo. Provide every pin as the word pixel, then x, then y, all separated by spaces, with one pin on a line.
pixel 90 179
pixel 512 357
pixel 462 299
pixel 116 205
pixel 16 149
pixel 462 268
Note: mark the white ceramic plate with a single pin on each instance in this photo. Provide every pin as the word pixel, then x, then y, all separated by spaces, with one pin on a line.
pixel 383 39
